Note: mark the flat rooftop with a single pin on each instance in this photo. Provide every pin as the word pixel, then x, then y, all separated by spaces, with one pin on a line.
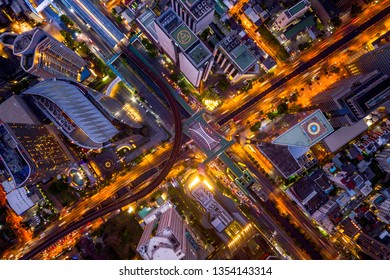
pixel 183 36
pixel 199 8
pixel 146 19
pixel 238 52
pixel 304 129
pixel 199 53
pixel 297 8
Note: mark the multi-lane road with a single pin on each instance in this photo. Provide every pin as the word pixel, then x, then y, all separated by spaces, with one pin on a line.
pixel 235 113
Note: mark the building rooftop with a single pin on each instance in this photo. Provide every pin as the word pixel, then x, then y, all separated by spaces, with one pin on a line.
pixel 302 129
pixel 281 158
pixel 199 8
pixel 12 161
pixel 183 36
pixel 15 110
pixel 199 53
pixel 294 30
pixel 238 52
pixel 147 19
pixel 69 106
pixel 309 194
pixel 297 8
pixel 19 201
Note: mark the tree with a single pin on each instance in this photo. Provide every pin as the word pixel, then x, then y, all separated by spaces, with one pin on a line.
pixel 356 10
pixel 282 108
pixel 336 21
pixel 66 20
pixel 224 83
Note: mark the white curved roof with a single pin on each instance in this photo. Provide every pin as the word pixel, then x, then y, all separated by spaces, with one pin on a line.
pixel 70 99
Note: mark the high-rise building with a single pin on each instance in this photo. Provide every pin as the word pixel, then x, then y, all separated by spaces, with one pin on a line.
pixel 166 236
pixel 181 44
pixel 350 100
pixel 234 58
pixel 30 154
pixel 378 59
pixel 286 141
pixel 44 56
pixel 197 14
pixel 88 118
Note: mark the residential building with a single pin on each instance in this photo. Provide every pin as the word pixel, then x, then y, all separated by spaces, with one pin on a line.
pixel 233 57
pixel 308 195
pixel 166 236
pixel 293 31
pixel 88 118
pixel 197 14
pixel 378 59
pixel 350 100
pixel 290 15
pixel 43 56
pixel 189 53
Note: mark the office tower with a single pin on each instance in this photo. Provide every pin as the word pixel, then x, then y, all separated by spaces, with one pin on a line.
pixel 197 14
pixel 378 59
pixel 106 30
pixel 350 100
pixel 88 118
pixel 288 16
pixel 286 141
pixel 166 236
pixel 44 56
pixel 234 58
pixel 192 57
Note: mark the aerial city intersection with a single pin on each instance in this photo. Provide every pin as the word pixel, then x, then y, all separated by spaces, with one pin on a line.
pixel 194 130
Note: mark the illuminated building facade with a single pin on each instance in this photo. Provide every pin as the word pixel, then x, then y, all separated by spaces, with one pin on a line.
pixel 166 236
pixel 44 56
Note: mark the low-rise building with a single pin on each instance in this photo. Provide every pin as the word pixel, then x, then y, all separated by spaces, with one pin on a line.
pixel 290 15
pixel 233 57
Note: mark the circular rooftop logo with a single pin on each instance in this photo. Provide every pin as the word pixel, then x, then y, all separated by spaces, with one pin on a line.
pixel 184 37
pixel 314 128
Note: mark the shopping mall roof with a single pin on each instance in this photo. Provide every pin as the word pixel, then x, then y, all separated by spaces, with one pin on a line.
pixel 74 103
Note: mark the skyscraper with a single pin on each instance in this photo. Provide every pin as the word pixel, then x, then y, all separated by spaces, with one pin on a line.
pixel 350 100
pixel 197 14
pixel 189 53
pixel 378 59
pixel 166 236
pixel 30 154
pixel 44 56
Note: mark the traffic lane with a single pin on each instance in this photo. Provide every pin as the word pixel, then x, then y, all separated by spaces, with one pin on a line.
pixel 227 117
